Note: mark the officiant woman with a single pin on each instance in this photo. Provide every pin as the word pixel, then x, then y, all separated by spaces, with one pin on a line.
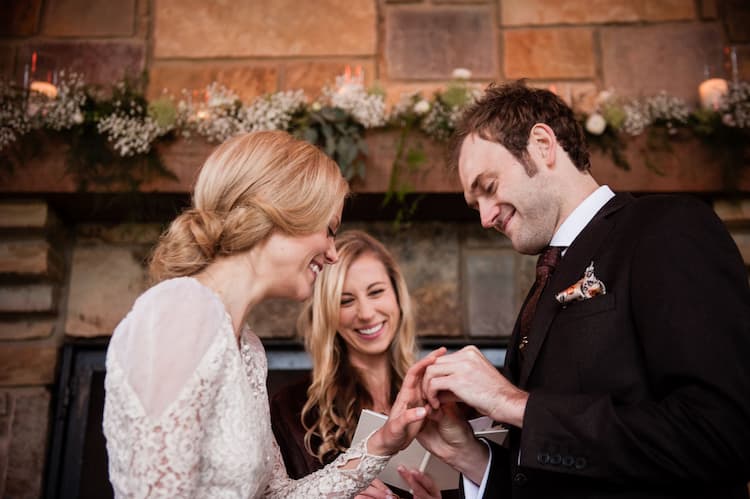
pixel 359 330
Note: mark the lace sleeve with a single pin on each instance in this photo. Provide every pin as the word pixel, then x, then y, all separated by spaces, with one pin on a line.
pixel 161 393
pixel 333 481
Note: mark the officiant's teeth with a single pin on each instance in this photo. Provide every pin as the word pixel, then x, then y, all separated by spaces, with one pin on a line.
pixel 371 330
pixel 315 268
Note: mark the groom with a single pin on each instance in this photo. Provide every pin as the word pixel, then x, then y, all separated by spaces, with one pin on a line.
pixel 628 371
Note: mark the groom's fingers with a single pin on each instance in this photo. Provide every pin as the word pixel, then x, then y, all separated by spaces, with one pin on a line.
pixel 415 372
pixel 439 377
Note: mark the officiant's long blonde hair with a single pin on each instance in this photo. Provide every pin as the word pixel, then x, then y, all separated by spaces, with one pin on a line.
pixel 337 395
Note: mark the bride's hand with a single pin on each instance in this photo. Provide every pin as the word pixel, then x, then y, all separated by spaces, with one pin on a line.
pixel 407 414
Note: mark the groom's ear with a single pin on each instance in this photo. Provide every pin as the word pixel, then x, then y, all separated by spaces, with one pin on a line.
pixel 542 144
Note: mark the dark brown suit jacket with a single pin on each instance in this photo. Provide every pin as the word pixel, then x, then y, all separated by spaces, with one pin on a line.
pixel 643 391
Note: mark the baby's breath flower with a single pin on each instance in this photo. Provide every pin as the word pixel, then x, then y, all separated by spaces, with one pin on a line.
pixel 274 111
pixel 351 96
pixel 14 121
pixel 735 106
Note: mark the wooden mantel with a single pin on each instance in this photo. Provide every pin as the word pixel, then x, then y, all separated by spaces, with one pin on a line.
pixel 689 167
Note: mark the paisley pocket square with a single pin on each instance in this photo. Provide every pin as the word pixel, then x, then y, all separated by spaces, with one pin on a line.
pixel 587 287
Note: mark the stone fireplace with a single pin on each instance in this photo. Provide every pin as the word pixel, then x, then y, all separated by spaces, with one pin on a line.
pixel 72 263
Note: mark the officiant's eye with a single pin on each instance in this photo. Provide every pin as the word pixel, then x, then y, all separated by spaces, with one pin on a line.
pixel 490 188
pixel 346 300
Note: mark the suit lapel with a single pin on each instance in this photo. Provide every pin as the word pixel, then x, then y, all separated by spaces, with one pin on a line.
pixel 579 255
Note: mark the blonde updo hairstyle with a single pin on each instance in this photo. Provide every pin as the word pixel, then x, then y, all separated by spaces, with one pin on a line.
pixel 251 185
pixel 337 395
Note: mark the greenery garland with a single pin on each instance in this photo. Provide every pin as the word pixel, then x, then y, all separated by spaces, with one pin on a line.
pixel 111 133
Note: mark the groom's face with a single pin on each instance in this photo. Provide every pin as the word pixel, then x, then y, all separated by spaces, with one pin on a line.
pixel 497 184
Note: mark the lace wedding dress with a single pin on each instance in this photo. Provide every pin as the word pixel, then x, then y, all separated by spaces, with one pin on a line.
pixel 186 411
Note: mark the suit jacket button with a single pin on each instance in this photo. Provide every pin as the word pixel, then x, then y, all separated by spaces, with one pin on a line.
pixel 542 458
pixel 555 459
pixel 520 479
pixel 568 461
pixel 580 463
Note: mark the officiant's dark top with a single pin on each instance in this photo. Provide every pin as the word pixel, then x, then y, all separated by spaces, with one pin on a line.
pixel 286 410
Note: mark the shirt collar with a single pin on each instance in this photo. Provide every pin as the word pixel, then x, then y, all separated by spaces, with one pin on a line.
pixel 581 216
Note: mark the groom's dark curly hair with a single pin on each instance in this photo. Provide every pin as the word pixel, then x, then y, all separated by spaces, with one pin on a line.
pixel 505 115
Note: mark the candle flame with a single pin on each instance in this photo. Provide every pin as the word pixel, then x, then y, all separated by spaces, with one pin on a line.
pixel 45 88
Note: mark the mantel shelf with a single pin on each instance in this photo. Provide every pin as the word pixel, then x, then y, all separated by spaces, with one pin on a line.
pixel 688 167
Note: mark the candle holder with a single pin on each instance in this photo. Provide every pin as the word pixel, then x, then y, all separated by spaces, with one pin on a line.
pixel 712 89
pixel 40 74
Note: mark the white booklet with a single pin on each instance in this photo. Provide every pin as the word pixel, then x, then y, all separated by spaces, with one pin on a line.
pixel 417 457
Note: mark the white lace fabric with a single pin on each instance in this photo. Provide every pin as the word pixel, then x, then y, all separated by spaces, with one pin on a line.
pixel 186 411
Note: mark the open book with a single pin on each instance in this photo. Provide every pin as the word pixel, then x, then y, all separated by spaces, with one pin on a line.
pixel 417 457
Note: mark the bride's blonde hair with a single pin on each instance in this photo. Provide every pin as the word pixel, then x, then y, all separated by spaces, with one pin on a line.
pixel 337 395
pixel 249 186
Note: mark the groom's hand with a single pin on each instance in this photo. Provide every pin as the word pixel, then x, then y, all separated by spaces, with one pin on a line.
pixel 468 376
pixel 449 437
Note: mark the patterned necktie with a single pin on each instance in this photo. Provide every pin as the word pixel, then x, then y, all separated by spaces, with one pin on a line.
pixel 545 266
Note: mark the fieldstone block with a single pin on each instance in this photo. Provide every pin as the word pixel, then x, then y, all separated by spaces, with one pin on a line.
pixel 476 236
pixel 20 17
pixel 312 76
pixel 743 61
pixel 248 81
pixel 709 9
pixel 645 60
pixel 275 318
pixel 8 62
pixel 125 233
pixel 27 442
pixel 26 329
pixel 394 91
pixel 100 62
pixel 432 43
pixel 733 210
pixel 542 12
pixel 490 292
pixel 736 16
pixel 24 215
pixel 549 53
pixel 6 420
pixel 20 298
pixel 28 362
pixel 104 283
pixel 87 18
pixel 30 258
pixel 428 254
pixel 246 28
pixel 742 239
pixel 580 95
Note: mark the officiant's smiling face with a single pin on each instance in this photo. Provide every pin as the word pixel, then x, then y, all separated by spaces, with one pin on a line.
pixel 369 315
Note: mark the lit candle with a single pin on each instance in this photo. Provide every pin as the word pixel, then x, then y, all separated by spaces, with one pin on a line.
pixel 45 88
pixel 711 91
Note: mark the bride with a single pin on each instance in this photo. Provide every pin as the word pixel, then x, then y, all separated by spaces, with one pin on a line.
pixel 186 410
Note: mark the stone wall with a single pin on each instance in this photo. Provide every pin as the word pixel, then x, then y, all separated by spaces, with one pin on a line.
pixel 633 46
pixel 78 278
